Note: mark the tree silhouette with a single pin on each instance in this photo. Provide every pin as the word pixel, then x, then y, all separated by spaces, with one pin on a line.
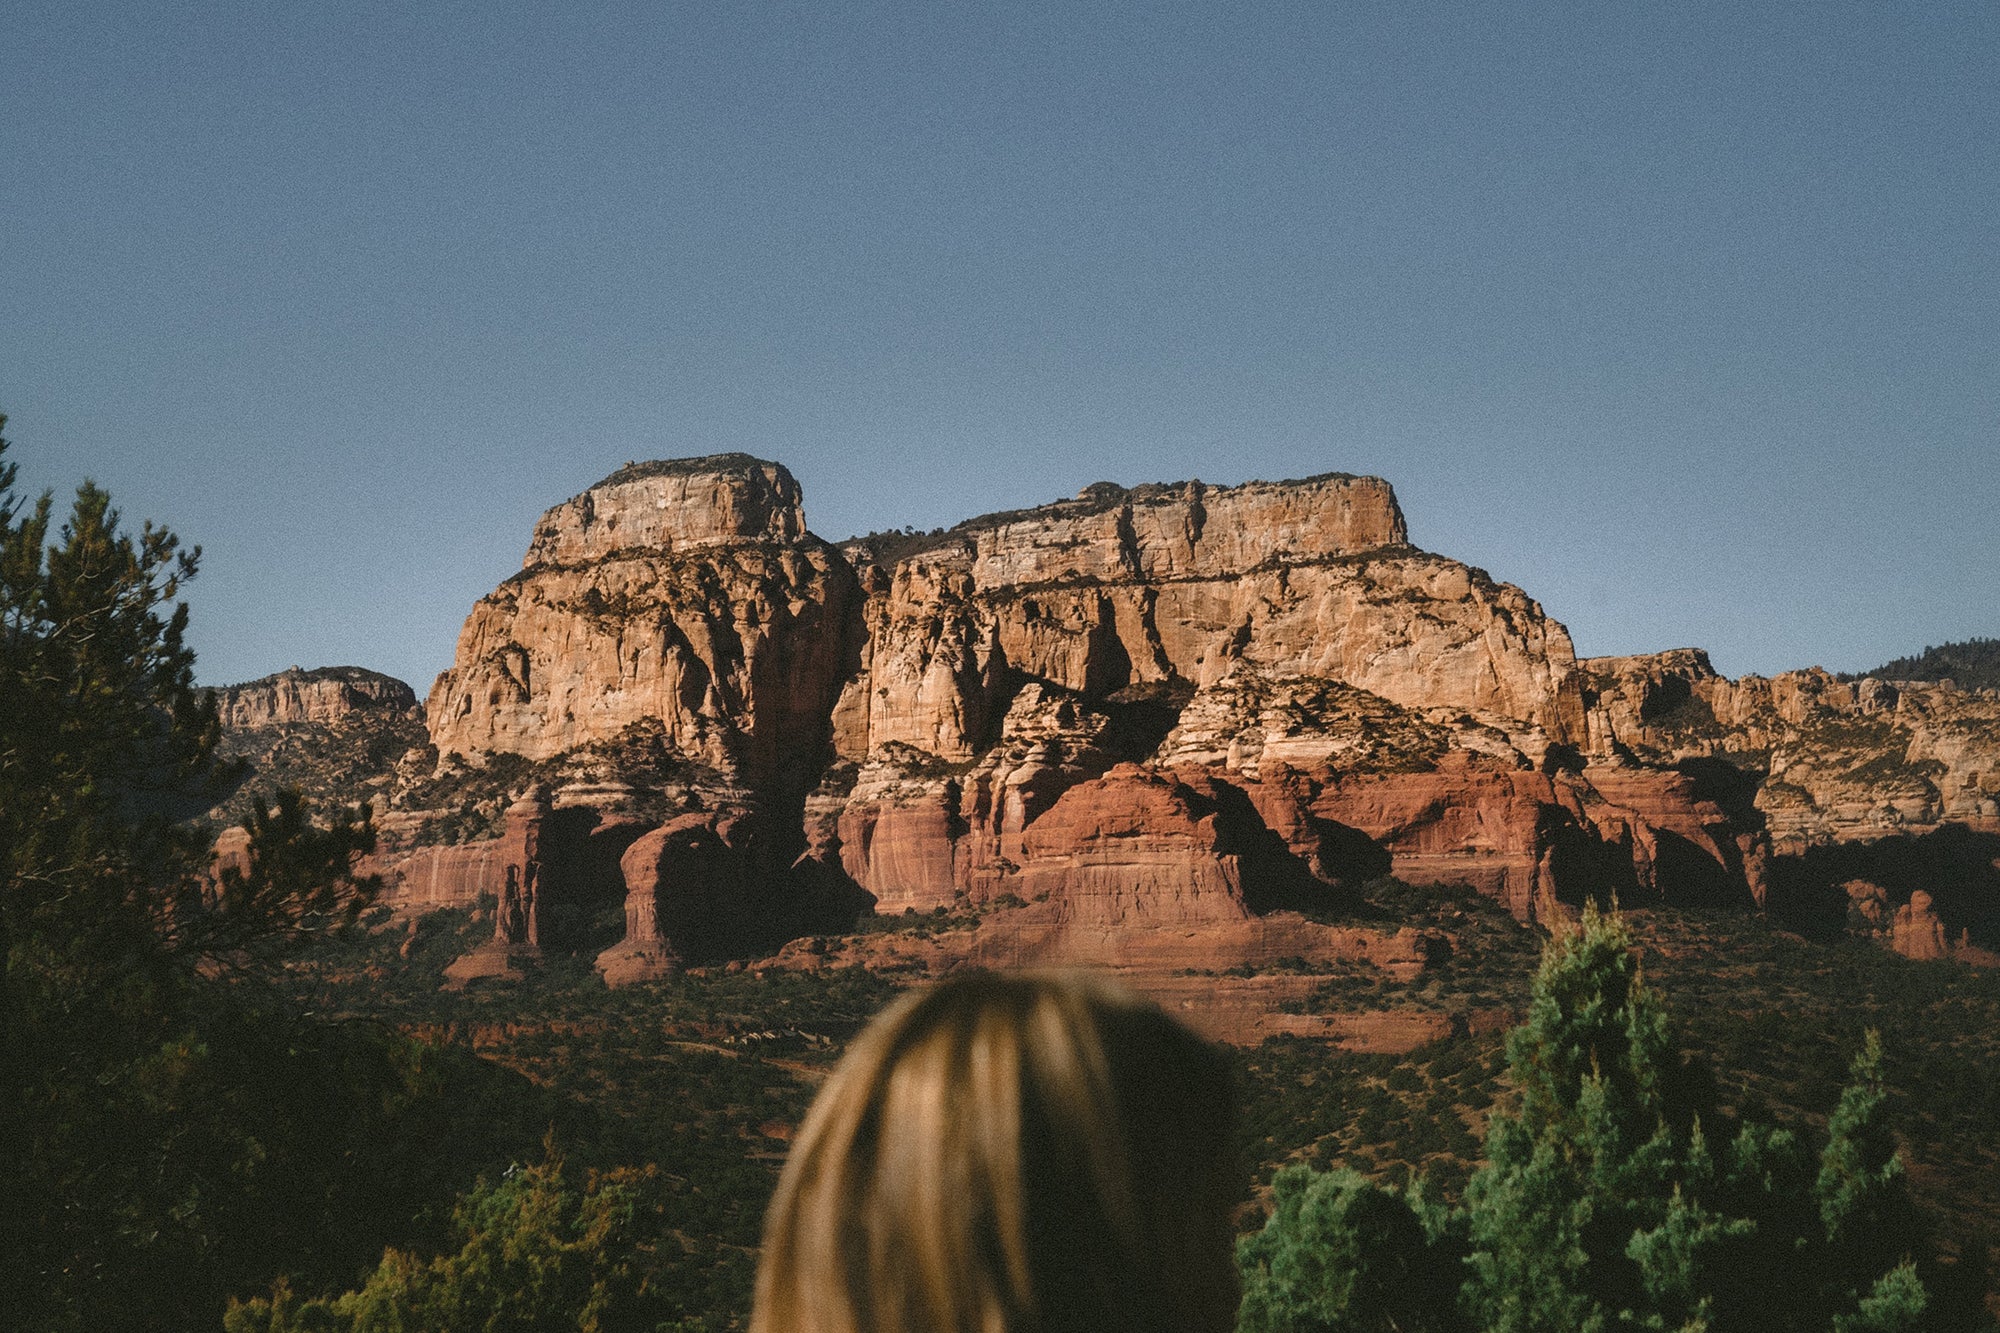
pixel 125 1156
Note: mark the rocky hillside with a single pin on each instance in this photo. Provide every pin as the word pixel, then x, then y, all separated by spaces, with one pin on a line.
pixel 337 733
pixel 1164 727
pixel 1170 704
pixel 687 593
pixel 1835 760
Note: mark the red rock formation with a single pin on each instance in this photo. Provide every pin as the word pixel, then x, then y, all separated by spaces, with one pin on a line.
pixel 425 878
pixel 644 952
pixel 901 845
pixel 549 853
pixel 691 885
pixel 1917 932
pixel 1684 846
pixel 1249 720
pixel 1134 850
pixel 1309 702
pixel 1471 820
pixel 1525 838
pixel 920 833
pixel 518 906
pixel 1214 977
pixel 684 601
pixel 1846 760
pixel 1160 584
pixel 1868 905
pixel 687 595
pixel 231 852
pixel 675 505
pixel 1158 873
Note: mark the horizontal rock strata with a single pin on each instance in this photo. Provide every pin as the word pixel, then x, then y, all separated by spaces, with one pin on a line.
pixel 1147 727
pixel 1841 760
pixel 323 695
pixel 1170 585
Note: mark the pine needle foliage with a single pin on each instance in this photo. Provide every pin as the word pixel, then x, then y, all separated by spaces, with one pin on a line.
pixel 535 1253
pixel 1616 1196
pixel 133 1167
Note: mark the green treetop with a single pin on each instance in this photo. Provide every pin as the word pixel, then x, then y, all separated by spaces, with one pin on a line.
pixel 1617 1196
pixel 120 1154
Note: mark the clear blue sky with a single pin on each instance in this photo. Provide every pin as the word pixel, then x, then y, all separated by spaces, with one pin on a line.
pixel 1685 318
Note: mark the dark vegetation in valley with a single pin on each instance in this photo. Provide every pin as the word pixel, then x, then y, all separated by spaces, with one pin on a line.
pixel 1775 1017
pixel 1618 1189
pixel 700 1078
pixel 704 1075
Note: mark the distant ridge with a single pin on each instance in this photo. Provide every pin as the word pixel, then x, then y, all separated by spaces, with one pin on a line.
pixel 322 694
pixel 1973 664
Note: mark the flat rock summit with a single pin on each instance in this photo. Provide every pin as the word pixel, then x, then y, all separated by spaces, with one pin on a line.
pixel 1170 728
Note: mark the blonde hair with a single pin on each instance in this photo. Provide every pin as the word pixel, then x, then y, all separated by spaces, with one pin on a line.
pixel 1025 1153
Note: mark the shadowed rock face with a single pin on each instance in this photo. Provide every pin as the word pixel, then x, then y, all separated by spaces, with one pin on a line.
pixel 535 875
pixel 1167 711
pixel 688 595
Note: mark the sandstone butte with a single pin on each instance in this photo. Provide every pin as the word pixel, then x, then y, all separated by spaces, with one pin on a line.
pixel 1168 729
pixel 326 695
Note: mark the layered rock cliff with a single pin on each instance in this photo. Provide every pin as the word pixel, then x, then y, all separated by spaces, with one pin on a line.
pixel 325 695
pixel 1031 707
pixel 1839 760
pixel 686 594
pixel 1179 585
pixel 335 733
pixel 1179 708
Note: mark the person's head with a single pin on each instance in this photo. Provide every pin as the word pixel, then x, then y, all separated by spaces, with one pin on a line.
pixel 1031 1153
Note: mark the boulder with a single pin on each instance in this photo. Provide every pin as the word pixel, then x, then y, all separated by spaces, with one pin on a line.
pixel 518 905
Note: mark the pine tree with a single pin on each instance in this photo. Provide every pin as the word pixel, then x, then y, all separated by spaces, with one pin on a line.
pixel 1872 1229
pixel 102 733
pixel 1582 1218
pixel 1340 1254
pixel 1895 1303
pixel 534 1252
pixel 1861 1199
pixel 1606 1204
pixel 295 877
pixel 117 1150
